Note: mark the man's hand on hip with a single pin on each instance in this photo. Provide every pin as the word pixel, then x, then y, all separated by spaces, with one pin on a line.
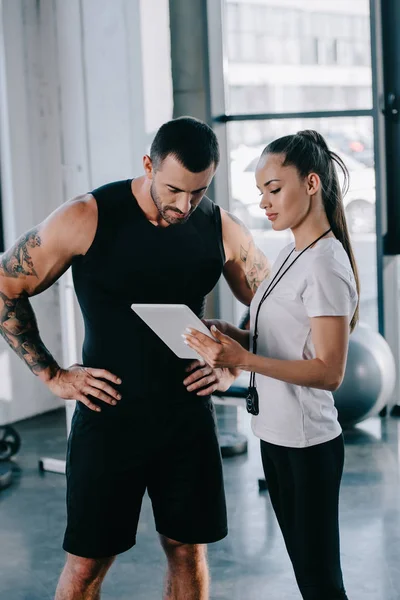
pixel 77 383
pixel 205 381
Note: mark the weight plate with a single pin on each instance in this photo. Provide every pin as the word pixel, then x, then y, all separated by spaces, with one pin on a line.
pixel 10 442
pixel 232 444
pixel 6 475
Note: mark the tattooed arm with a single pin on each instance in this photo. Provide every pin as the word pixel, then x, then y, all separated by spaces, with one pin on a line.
pixel 31 265
pixel 19 328
pixel 246 266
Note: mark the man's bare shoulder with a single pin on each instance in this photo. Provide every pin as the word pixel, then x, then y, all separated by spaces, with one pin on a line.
pixel 230 223
pixel 42 254
pixel 244 258
pixel 81 207
pixel 235 234
pixel 78 218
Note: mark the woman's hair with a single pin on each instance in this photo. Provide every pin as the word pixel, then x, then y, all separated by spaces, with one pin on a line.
pixel 309 153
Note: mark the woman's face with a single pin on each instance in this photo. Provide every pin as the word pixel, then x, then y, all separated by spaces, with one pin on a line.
pixel 285 197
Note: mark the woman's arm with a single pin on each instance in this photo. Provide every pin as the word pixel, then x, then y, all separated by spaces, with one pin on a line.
pixel 330 336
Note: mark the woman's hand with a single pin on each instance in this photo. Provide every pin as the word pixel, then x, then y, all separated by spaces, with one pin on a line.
pixel 220 325
pixel 222 351
pixel 237 334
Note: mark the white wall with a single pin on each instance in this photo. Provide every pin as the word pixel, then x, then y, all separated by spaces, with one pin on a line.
pixel 80 89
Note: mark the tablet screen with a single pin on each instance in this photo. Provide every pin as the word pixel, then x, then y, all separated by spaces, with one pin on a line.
pixel 169 322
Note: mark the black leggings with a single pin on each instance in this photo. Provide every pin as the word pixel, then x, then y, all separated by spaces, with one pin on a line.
pixel 304 484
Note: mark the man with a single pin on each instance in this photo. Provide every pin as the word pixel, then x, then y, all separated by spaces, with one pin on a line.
pixel 142 421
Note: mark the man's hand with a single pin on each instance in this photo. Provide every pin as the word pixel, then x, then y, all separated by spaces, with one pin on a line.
pixel 77 383
pixel 207 380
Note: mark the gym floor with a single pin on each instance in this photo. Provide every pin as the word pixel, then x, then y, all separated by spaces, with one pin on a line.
pixel 251 563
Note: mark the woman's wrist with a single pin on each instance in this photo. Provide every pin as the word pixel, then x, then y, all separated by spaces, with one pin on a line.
pixel 247 361
pixel 256 364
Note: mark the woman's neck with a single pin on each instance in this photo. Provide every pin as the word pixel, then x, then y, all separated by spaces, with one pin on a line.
pixel 306 234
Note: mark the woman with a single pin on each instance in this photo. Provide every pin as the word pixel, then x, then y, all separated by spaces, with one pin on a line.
pixel 296 352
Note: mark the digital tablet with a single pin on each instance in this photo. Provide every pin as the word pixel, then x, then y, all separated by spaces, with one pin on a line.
pixel 169 322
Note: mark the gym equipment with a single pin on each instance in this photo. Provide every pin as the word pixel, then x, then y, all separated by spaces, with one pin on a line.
pixel 54 465
pixel 262 485
pixel 10 442
pixel 368 382
pixel 231 441
pixel 365 391
pixel 6 475
pixel 369 379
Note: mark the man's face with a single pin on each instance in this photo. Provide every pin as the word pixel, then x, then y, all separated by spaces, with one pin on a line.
pixel 177 192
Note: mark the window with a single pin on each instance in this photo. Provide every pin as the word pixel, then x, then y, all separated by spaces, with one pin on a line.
pixel 309 51
pixel 327 51
pixel 248 47
pixel 331 72
pixel 266 35
pixel 352 139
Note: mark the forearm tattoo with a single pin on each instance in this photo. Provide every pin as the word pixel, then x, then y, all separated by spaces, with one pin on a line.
pixel 17 260
pixel 256 264
pixel 19 328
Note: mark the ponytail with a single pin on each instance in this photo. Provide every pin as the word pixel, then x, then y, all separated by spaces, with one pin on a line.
pixel 309 152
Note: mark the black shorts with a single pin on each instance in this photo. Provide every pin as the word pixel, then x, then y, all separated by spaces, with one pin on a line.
pixel 174 454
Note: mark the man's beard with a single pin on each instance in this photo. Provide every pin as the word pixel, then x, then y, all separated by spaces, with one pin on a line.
pixel 165 211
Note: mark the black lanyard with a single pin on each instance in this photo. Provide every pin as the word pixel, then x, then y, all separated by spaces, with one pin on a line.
pixel 252 403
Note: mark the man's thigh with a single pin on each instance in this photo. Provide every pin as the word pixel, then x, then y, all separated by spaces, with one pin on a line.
pixel 105 487
pixel 185 480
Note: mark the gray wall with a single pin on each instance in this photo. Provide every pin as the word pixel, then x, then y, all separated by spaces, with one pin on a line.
pixel 83 86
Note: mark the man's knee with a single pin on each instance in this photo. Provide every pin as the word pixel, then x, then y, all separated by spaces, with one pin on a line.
pixel 183 553
pixel 85 571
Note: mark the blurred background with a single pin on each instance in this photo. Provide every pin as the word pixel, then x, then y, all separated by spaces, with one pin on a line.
pixel 284 59
pixel 84 86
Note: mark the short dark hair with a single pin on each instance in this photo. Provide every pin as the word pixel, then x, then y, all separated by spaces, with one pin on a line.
pixel 192 142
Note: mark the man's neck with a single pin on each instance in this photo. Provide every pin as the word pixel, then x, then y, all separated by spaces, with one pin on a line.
pixel 141 190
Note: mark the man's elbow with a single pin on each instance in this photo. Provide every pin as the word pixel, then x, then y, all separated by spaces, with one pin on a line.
pixel 12 288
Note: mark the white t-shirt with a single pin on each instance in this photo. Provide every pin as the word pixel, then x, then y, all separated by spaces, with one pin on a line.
pixel 320 283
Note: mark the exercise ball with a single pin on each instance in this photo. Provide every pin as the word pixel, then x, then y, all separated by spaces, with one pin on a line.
pixel 369 378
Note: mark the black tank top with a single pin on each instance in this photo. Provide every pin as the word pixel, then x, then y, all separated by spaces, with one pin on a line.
pixel 131 260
